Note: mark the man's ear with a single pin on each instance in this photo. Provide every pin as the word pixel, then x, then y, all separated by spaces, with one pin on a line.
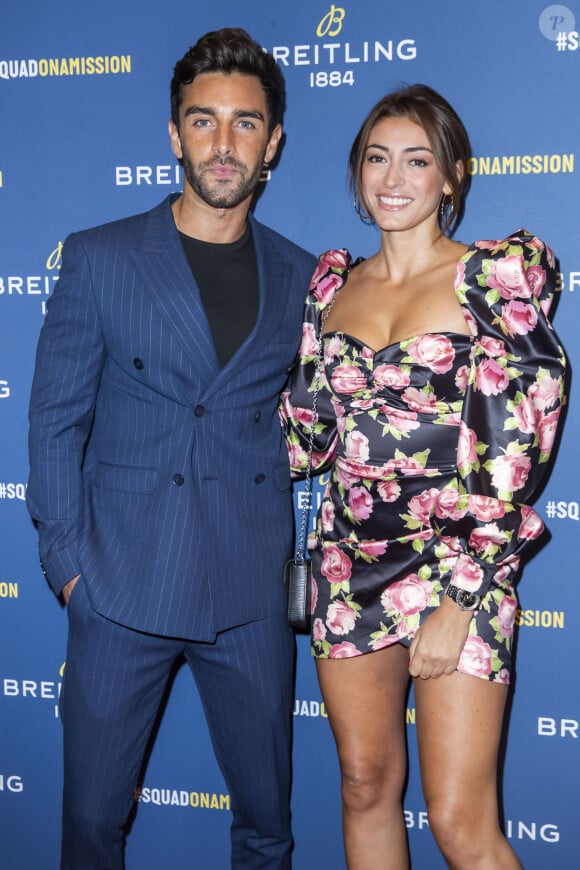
pixel 273 143
pixel 175 140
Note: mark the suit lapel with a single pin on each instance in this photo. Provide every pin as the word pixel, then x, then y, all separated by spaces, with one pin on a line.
pixel 274 277
pixel 166 274
pixel 163 266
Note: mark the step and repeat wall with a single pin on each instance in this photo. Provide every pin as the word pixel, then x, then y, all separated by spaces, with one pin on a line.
pixel 84 102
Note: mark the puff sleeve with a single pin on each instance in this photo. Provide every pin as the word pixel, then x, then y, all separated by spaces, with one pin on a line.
pixel 296 402
pixel 514 392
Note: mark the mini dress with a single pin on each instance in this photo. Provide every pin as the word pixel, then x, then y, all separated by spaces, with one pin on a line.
pixel 432 448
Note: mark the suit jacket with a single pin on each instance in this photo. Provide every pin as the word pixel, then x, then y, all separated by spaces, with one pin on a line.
pixel 158 476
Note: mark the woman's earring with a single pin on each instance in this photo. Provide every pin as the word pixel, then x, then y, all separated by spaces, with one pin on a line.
pixel 446 210
pixel 358 207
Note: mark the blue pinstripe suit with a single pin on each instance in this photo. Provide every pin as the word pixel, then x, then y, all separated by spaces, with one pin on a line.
pixel 163 481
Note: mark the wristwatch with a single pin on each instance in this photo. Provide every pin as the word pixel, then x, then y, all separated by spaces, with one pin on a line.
pixel 465 600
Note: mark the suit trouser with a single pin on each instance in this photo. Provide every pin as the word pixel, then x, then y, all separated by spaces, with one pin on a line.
pixel 113 686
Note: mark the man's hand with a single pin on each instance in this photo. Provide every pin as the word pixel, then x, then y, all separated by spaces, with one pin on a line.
pixel 68 588
pixel 437 646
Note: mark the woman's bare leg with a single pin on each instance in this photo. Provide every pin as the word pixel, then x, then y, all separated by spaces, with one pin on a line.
pixel 365 699
pixel 459 721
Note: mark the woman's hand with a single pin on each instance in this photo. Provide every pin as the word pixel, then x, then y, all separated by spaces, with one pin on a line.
pixel 437 646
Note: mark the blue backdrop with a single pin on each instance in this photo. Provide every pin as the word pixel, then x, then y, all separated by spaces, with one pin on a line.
pixel 84 104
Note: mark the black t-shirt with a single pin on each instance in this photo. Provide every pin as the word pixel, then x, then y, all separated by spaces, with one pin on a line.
pixel 227 277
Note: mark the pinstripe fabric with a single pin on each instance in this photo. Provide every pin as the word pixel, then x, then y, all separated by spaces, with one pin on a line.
pixel 113 683
pixel 161 478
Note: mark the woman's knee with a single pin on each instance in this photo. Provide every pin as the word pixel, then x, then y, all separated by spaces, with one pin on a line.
pixel 366 785
pixel 461 835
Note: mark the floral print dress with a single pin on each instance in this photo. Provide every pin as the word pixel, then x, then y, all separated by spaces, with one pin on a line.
pixel 436 446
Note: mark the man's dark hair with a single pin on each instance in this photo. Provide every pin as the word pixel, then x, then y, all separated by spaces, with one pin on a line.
pixel 230 50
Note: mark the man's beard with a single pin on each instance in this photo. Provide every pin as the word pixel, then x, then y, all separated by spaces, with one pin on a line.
pixel 221 194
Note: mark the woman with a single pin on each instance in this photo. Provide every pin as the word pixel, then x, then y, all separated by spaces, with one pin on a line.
pixel 438 402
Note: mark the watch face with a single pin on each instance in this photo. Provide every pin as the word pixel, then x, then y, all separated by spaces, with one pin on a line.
pixel 467 600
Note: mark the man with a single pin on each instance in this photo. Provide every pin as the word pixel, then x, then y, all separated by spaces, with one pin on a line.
pixel 159 478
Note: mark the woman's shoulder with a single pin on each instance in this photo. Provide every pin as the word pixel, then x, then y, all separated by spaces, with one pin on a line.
pixel 517 264
pixel 330 274
pixel 522 244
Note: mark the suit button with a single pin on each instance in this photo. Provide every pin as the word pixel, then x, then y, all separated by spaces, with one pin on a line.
pixel 138 363
pixel 260 478
pixel 257 416
pixel 178 479
pixel 199 410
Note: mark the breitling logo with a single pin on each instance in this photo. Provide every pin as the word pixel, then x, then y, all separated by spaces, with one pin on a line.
pixel 331 24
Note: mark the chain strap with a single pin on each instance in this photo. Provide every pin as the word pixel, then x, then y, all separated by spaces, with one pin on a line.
pixel 308 476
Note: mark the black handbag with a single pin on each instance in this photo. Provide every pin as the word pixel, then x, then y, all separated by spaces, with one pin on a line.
pixel 298 580
pixel 298 571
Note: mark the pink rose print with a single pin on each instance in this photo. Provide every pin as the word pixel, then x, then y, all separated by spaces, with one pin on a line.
pixel 531 526
pixel 348 379
pixel 327 516
pixel 462 377
pixel 417 400
pixel 356 446
pixel 491 378
pixel 399 421
pixel 318 630
pixel 326 288
pixel 297 456
pixel 486 508
pixel 436 352
pixel 503 677
pixel 407 596
pixel 446 505
pixel 486 537
pixel 337 407
pixel 470 320
pixel 367 352
pixel 364 404
pixel 547 430
pixel 475 658
pixel 329 260
pixel 373 548
pixel 345 476
pixel 508 276
pixel 467 574
pixel 304 416
pixel 344 650
pixel 421 506
pixel 506 616
pixel 466 447
pixel 313 594
pixel 336 566
pixel 459 273
pixel 536 279
pixel 519 318
pixel 451 545
pixel 383 641
pixel 332 348
pixel 527 416
pixel 545 392
pixel 360 502
pixel 510 471
pixel 340 618
pixel 492 347
pixel 406 465
pixel 309 343
pixel 391 376
pixel 389 490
